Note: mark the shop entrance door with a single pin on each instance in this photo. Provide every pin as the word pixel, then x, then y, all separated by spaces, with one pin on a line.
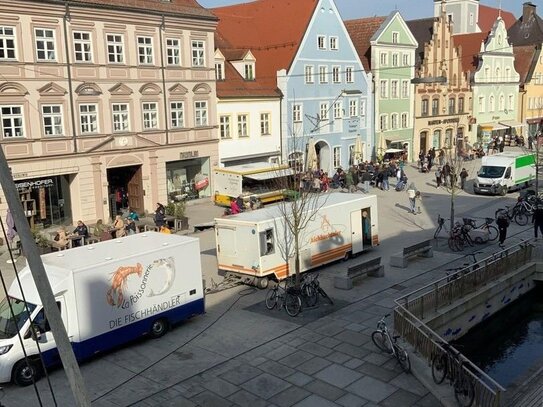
pixel 135 191
pixel 125 189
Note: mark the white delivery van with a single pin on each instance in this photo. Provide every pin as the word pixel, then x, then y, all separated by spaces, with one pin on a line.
pixel 253 244
pixel 108 293
pixel 502 172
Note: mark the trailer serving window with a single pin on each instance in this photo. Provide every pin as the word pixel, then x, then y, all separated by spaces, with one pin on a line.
pixel 267 244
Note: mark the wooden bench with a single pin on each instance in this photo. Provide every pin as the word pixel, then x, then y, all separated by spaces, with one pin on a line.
pixel 423 249
pixel 372 268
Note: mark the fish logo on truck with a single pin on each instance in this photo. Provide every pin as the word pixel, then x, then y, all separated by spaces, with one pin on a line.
pixel 117 293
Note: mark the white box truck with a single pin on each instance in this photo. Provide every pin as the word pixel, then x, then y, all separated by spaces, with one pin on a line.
pixel 503 172
pixel 254 245
pixel 108 293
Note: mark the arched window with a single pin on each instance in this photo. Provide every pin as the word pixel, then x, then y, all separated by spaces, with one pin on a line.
pixel 491 104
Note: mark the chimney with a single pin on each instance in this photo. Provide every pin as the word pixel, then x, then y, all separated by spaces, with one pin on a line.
pixel 528 11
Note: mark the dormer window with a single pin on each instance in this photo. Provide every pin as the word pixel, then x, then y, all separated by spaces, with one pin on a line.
pixel 219 71
pixel 249 72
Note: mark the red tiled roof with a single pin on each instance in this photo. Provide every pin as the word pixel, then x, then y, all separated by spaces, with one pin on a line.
pixel 470 47
pixel 234 86
pixel 526 56
pixel 186 7
pixel 361 31
pixel 488 16
pixel 271 29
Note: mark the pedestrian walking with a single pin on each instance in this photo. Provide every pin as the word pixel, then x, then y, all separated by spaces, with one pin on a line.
pixel 160 215
pixel 463 177
pixel 413 194
pixel 438 177
pixel 537 220
pixel 503 224
pixel 530 142
pixel 366 179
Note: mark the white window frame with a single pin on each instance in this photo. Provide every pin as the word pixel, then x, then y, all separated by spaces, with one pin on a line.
pixel 336 74
pixel 395 59
pixel 395 37
pixel 225 129
pixel 404 120
pixel 309 73
pixel 265 123
pixel 349 77
pixel 177 114
pixel 336 156
pixel 8 44
pixel 405 59
pixel 501 102
pixel 362 108
pixel 383 122
pixel 394 121
pixel 88 118
pixel 383 59
pixel 323 74
pixel 353 107
pixel 249 70
pixel 338 110
pixel 13 116
pixel 334 43
pixel 82 46
pixel 173 52
pixel 120 117
pixel 323 111
pixel 52 120
pixel 394 88
pixel 200 113
pixel 481 104
pixel 511 102
pixel 321 42
pixel 242 121
pixel 145 50
pixel 197 52
pixel 405 89
pixel 45 44
pixel 297 113
pixel 383 88
pixel 149 112
pixel 115 48
pixel 219 71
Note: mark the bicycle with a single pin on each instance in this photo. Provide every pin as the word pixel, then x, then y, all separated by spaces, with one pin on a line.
pixel 440 225
pixel 449 364
pixel 513 213
pixel 455 272
pixel 487 226
pixel 459 237
pixel 319 290
pixel 286 297
pixel 310 295
pixel 382 339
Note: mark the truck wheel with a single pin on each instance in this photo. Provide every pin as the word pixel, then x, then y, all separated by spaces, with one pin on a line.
pixel 262 283
pixel 24 374
pixel 347 256
pixel 159 328
pixel 503 191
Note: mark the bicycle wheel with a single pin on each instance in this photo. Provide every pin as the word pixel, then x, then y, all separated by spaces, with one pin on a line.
pixel 452 244
pixel 271 298
pixel 293 304
pixel 310 295
pixel 439 367
pixel 464 392
pixel 381 341
pixel 492 233
pixel 403 359
pixel 521 218
pixel 467 239
pixel 438 230
pixel 459 242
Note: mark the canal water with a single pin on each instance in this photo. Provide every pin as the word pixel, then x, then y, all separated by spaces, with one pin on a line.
pixel 508 345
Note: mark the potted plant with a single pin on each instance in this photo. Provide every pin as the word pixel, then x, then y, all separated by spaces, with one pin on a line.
pixel 177 210
pixel 43 243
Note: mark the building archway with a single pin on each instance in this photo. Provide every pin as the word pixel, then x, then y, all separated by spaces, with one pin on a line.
pixel 323 156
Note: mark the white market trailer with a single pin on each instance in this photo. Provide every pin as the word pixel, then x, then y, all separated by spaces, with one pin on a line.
pixel 108 293
pixel 253 243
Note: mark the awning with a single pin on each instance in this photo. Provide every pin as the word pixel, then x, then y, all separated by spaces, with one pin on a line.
pixel 511 123
pixel 396 137
pixel 494 126
pixel 261 176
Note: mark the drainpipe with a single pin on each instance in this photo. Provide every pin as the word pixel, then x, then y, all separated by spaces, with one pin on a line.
pixel 69 72
pixel 163 72
pixel 281 129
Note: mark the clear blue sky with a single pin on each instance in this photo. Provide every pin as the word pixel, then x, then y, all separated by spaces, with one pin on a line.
pixel 410 9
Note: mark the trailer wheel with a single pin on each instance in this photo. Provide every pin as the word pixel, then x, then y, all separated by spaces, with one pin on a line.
pixel 25 373
pixel 159 328
pixel 262 283
pixel 347 256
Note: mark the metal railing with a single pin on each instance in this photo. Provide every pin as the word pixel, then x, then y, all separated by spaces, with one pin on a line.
pixel 412 307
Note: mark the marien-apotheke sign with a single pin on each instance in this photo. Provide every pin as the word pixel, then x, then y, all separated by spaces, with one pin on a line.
pixel 444 121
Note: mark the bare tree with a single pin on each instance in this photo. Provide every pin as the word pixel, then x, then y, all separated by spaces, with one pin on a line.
pixel 301 204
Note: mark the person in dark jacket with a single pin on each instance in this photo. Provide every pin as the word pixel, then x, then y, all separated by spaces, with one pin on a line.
pixel 160 215
pixel 80 230
pixel 503 224
pixel 537 220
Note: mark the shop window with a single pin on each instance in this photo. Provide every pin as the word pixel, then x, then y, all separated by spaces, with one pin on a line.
pixel 267 244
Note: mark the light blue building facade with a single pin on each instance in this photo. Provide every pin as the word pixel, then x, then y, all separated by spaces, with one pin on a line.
pixel 327 99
